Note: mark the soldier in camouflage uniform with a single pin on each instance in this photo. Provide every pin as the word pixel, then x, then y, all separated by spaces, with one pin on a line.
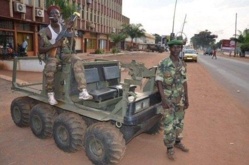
pixel 48 44
pixel 172 85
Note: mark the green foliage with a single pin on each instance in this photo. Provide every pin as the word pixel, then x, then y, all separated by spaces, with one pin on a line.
pixel 243 37
pixel 115 50
pixel 158 38
pixel 218 44
pixel 67 9
pixel 117 37
pixel 204 39
pixel 242 40
pixel 99 51
pixel 244 47
pixel 133 30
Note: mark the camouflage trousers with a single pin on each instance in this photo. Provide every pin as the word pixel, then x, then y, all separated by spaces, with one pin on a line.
pixel 173 123
pixel 51 68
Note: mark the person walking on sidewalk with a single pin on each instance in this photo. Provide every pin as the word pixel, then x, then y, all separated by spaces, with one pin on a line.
pixel 172 85
pixel 214 54
pixel 57 52
pixel 24 46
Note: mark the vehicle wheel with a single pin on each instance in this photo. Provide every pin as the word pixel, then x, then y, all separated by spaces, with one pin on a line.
pixel 42 120
pixel 20 110
pixel 156 128
pixel 69 130
pixel 89 121
pixel 104 144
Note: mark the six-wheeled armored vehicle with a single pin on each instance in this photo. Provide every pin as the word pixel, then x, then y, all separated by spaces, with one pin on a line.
pixel 102 126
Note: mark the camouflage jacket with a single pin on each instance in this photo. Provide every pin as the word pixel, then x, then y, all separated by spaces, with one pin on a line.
pixel 172 78
pixel 65 47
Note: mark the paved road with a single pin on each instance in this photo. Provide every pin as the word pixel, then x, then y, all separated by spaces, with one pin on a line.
pixel 212 134
pixel 232 74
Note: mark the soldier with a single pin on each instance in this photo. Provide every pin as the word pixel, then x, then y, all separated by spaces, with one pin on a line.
pixel 172 84
pixel 48 45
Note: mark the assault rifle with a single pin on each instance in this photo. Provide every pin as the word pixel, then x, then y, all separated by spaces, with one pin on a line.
pixel 65 32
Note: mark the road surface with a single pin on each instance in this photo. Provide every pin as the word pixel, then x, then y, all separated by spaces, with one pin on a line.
pixel 216 128
pixel 232 74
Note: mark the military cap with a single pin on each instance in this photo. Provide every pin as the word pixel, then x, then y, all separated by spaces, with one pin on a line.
pixel 175 42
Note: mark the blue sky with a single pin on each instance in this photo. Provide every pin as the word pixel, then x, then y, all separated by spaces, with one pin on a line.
pixel 217 16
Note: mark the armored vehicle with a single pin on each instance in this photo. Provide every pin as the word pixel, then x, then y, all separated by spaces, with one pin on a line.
pixel 155 48
pixel 102 126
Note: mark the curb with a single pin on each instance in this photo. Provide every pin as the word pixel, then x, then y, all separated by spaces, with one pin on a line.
pixel 18 81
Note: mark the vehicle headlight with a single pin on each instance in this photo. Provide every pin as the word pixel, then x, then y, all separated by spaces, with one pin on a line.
pixel 139 106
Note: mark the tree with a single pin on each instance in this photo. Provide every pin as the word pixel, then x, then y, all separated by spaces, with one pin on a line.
pixel 243 37
pixel 158 38
pixel 133 31
pixel 203 40
pixel 218 44
pixel 116 39
pixel 243 41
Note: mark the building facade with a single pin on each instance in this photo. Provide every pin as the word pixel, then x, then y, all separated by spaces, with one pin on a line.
pixel 22 19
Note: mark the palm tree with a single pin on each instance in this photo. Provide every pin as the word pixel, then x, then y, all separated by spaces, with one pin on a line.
pixel 116 39
pixel 133 31
pixel 243 40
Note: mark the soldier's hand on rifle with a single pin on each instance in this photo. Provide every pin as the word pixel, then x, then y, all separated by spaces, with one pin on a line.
pixel 69 25
pixel 58 43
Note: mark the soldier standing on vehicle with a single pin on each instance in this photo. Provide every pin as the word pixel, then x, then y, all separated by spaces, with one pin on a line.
pixel 172 84
pixel 48 45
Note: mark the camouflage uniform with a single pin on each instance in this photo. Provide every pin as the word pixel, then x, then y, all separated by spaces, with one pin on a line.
pixel 172 78
pixel 65 56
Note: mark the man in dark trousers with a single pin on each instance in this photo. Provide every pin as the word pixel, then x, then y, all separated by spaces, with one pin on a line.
pixel 172 84
pixel 214 54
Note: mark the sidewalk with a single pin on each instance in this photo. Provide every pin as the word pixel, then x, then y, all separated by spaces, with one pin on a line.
pixel 245 59
pixel 36 76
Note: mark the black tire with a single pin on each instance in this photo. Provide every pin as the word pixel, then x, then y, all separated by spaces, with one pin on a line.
pixel 20 110
pixel 42 120
pixel 89 121
pixel 69 130
pixel 156 128
pixel 104 144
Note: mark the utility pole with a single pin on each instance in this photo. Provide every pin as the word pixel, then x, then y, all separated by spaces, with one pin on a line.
pixel 235 45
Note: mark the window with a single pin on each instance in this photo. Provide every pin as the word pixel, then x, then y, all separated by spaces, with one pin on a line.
pixel 28 2
pixel 6 39
pixel 91 16
pixel 4 24
pixel 38 3
pixel 83 12
pixel 91 43
pixel 102 44
pixel 24 27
